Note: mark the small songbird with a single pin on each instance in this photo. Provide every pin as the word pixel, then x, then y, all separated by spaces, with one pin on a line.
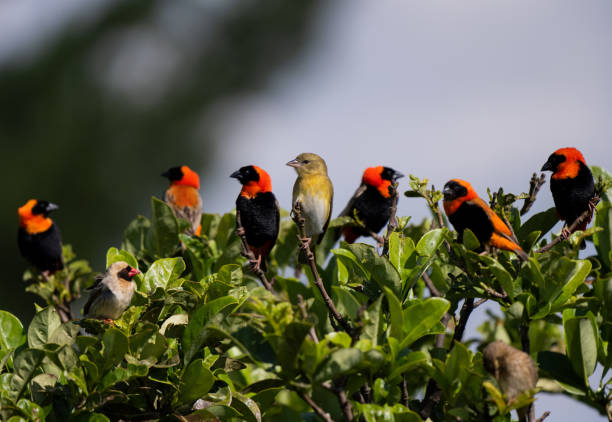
pixel 513 369
pixel 183 196
pixel 371 203
pixel 38 237
pixel 314 190
pixel 467 211
pixel 258 210
pixel 571 184
pixel 112 292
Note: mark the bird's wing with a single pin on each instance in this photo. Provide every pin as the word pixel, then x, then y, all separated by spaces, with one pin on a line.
pixel 97 290
pixel 331 204
pixel 348 210
pixel 498 225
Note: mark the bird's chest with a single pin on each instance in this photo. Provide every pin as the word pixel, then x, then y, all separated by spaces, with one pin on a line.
pixel 184 196
pixel 122 294
pixel 315 209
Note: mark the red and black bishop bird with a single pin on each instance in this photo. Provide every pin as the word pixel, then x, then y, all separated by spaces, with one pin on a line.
pixel 466 210
pixel 38 237
pixel 571 184
pixel 183 196
pixel 259 211
pixel 371 204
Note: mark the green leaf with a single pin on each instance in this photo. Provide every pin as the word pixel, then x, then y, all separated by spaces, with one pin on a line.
pixel 196 331
pixel 581 340
pixel 42 327
pixel 25 365
pixel 11 331
pixel 559 367
pixel 135 236
pixel 568 275
pixel 380 269
pixel 430 242
pixel 247 407
pixel 497 397
pixel 395 314
pixel 196 381
pixel 115 255
pixel 603 239
pixel 162 272
pixel 287 346
pixel 164 234
pixel 420 317
pixel 114 347
pixel 340 362
pixel 470 241
pixel 541 222
pixel 372 322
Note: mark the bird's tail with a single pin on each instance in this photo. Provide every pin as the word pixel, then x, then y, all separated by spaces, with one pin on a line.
pixel 506 244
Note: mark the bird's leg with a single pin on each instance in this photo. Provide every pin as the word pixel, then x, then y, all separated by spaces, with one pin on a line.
pixel 109 321
pixel 240 231
pixel 305 241
pixel 45 275
pixel 592 205
pixel 256 263
pixel 565 233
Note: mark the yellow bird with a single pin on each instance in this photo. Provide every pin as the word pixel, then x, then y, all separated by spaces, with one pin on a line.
pixel 314 190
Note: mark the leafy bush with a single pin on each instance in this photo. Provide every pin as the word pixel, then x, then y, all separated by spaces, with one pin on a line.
pixel 204 341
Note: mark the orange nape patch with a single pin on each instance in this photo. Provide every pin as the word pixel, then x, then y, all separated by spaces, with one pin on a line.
pixel 372 176
pixel 252 188
pixel 190 178
pixel 184 196
pixel 451 206
pixel 31 223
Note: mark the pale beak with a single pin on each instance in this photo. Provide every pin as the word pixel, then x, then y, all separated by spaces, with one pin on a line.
pixel 294 163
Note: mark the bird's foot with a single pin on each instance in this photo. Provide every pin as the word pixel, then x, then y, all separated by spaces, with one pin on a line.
pixel 592 206
pixel 109 321
pixel 565 233
pixel 483 253
pixel 256 263
pixel 305 242
pixel 240 231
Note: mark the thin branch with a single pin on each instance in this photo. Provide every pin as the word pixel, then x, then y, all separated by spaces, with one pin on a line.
pixel 584 217
pixel 318 410
pixel 534 187
pixel 304 242
pixel 464 315
pixel 495 293
pixel 480 302
pixel 405 395
pixel 247 253
pixel 302 306
pixel 340 392
pixel 544 416
pixel 392 221
pixel 430 285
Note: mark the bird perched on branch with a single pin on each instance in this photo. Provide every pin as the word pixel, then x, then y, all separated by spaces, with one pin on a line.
pixel 371 203
pixel 513 369
pixel 112 292
pixel 571 184
pixel 258 211
pixel 467 211
pixel 314 191
pixel 38 237
pixel 183 196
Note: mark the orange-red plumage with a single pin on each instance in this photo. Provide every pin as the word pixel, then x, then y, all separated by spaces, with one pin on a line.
pixel 466 210
pixel 571 184
pixel 38 237
pixel 183 196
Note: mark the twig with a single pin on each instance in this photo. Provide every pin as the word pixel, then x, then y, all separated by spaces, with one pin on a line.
pixel 534 187
pixel 430 285
pixel 464 315
pixel 247 253
pixel 480 302
pixel 338 390
pixel 544 416
pixel 405 395
pixel 392 221
pixel 302 306
pixel 304 240
pixel 585 216
pixel 322 413
pixel 495 293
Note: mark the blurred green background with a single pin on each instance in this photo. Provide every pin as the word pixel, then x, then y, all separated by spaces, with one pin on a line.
pixel 90 120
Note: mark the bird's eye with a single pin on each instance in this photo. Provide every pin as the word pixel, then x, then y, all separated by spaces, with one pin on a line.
pixel 306 161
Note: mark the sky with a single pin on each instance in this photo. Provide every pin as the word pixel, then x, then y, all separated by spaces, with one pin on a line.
pixel 479 90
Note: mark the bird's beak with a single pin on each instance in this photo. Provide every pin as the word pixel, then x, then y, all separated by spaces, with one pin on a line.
pixel 51 207
pixel 294 163
pixel 236 174
pixel 397 175
pixel 133 272
pixel 548 166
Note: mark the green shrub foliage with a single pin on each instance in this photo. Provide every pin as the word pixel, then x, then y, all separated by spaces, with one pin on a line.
pixel 203 340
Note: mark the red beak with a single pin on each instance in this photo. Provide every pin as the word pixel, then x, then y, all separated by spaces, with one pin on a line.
pixel 133 272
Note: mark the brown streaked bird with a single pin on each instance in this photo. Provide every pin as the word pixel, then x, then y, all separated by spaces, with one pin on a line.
pixel 112 292
pixel 371 204
pixel 183 196
pixel 466 210
pixel 314 190
pixel 514 371
pixel 38 237
pixel 259 212
pixel 571 184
